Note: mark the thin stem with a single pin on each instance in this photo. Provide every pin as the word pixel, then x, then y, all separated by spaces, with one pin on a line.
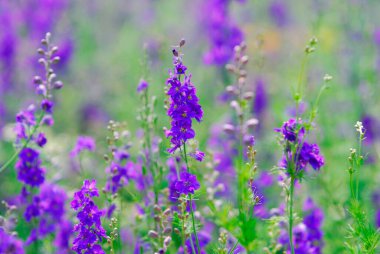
pixel 233 247
pixel 298 95
pixel 291 193
pixel 13 157
pixel 193 221
pixel 185 156
pixel 191 203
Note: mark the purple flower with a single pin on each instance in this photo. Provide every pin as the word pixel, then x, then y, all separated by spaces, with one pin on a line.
pixel 307 235
pixel 187 184
pixel 143 85
pixel 260 102
pixel 376 36
pixel 371 127
pixel 28 167
pixel 89 229
pixel 278 12
pixel 183 107
pixel 49 208
pixel 307 155
pixel 47 106
pixel 224 35
pixel 198 155
pixel 9 244
pixel 62 238
pixel 41 140
pixel 292 131
pixel 120 175
pixel 83 143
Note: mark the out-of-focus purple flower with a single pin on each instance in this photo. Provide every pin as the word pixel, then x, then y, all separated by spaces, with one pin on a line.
pixel 28 166
pixel 49 208
pixel 371 127
pixel 47 106
pixel 204 239
pixel 198 155
pixel 43 17
pixel 83 143
pixel 307 236
pixel 260 102
pixel 184 106
pixel 143 85
pixel 120 174
pixel 224 35
pixel 376 36
pixel 92 115
pixel 9 244
pixel 41 140
pixel 89 229
pixel 62 238
pixel 278 12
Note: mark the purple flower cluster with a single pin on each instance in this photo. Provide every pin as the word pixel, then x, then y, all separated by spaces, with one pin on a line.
pixel 121 172
pixel 28 166
pixel 48 207
pixel 9 244
pixel 184 106
pixel 305 154
pixel 186 184
pixel 307 235
pixel 89 229
pixel 223 33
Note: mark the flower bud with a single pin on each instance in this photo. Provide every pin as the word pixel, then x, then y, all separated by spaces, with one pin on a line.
pixel 182 42
pixel 229 128
pixel 248 95
pixel 152 234
pixel 37 80
pixel 58 85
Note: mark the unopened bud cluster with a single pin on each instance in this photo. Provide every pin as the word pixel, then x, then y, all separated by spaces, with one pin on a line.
pixel 45 86
pixel 161 235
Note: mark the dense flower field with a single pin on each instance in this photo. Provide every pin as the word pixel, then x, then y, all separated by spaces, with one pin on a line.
pixel 205 126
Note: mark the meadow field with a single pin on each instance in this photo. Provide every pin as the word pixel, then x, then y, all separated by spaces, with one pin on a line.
pixel 203 126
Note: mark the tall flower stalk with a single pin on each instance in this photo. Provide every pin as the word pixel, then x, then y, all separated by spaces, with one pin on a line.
pixel 183 108
pixel 362 236
pixel 27 124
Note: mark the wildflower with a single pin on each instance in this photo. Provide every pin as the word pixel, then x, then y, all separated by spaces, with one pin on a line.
pixel 41 140
pixel 10 244
pixel 292 131
pixel 187 184
pixel 143 85
pixel 89 229
pixel 83 143
pixel 198 155
pixel 183 107
pixel 223 33
pixel 29 169
pixel 49 208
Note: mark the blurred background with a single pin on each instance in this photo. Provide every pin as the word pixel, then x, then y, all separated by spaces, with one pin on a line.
pixel 103 45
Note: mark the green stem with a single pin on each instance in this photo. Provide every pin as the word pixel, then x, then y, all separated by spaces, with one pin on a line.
pixel 291 193
pixel 193 221
pixel 13 157
pixel 191 204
